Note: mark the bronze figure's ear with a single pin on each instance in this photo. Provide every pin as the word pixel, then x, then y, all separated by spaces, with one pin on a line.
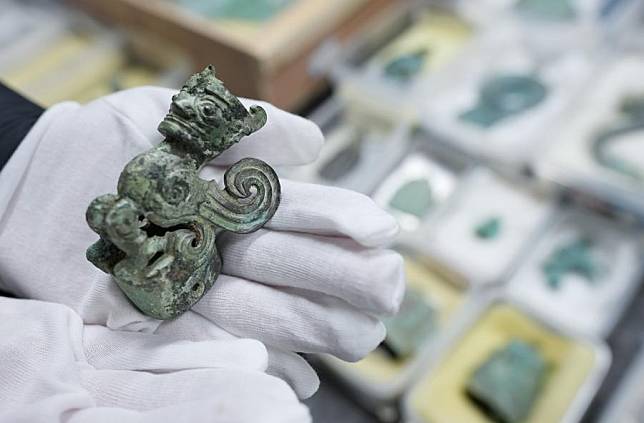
pixel 158 233
pixel 255 120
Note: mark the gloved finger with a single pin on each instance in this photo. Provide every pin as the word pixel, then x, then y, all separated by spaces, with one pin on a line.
pixel 193 326
pixel 332 211
pixel 224 394
pixel 293 369
pixel 153 352
pixel 286 139
pixel 372 280
pixel 286 365
pixel 295 320
pixel 208 410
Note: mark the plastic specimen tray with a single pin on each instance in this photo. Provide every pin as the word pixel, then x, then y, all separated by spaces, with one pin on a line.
pixel 485 228
pixel 384 69
pixel 582 271
pixel 421 185
pixel 577 366
pixel 496 99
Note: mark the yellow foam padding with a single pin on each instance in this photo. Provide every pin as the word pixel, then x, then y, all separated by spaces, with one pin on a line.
pixel 443 35
pixel 67 70
pixel 67 47
pixel 129 76
pixel 99 66
pixel 440 396
pixel 371 109
pixel 137 75
pixel 444 296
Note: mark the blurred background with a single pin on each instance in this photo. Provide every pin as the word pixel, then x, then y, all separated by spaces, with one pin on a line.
pixel 507 137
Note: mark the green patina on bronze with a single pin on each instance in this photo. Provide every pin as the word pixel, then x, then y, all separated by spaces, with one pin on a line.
pixel 631 121
pixel 158 233
pixel 408 330
pixel 507 384
pixel 573 257
pixel 504 96
pixel 414 197
pixel 489 229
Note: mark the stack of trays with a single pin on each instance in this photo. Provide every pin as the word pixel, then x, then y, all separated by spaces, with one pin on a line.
pixel 482 83
pixel 491 260
pixel 513 289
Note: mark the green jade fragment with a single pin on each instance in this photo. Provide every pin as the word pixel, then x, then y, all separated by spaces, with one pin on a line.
pixel 489 229
pixel 157 234
pixel 414 197
pixel 574 257
pixel 553 10
pixel 507 384
pixel 404 67
pixel 632 121
pixel 244 10
pixel 504 96
pixel 411 327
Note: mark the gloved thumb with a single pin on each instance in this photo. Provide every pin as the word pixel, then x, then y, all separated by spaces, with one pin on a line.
pixel 108 349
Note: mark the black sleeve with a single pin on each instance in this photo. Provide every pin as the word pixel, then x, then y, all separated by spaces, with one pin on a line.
pixel 17 116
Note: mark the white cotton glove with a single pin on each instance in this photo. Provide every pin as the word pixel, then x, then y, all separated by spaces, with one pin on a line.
pixel 311 281
pixel 55 369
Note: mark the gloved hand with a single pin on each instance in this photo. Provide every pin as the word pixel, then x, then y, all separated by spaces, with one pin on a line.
pixel 55 369
pixel 311 281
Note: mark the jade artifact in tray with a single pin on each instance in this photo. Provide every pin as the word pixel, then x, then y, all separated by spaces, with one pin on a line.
pixel 507 384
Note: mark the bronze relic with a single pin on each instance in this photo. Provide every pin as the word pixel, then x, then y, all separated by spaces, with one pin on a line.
pixel 158 233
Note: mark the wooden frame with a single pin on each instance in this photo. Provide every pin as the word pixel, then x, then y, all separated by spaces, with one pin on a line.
pixel 269 61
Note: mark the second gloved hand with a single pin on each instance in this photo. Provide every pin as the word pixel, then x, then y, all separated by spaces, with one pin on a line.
pixel 55 369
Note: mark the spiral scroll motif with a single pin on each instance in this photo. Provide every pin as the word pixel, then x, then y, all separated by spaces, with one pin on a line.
pixel 248 200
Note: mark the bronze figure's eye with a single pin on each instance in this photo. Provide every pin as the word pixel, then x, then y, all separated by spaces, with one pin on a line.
pixel 208 110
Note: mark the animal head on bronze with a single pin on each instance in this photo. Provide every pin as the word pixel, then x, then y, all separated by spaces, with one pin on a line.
pixel 206 118
pixel 158 233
